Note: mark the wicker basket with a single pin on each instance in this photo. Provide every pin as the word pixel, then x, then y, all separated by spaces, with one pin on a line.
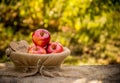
pixel 26 59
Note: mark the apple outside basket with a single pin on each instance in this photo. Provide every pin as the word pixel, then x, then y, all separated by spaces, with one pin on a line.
pixel 30 60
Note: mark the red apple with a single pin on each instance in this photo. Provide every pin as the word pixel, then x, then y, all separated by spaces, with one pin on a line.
pixel 36 50
pixel 41 37
pixel 54 47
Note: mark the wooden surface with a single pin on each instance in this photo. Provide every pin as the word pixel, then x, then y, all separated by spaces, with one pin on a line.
pixel 88 74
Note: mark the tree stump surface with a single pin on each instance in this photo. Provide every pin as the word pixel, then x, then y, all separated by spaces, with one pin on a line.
pixel 87 74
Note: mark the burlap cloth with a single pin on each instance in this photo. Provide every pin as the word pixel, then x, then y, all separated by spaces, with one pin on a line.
pixel 26 64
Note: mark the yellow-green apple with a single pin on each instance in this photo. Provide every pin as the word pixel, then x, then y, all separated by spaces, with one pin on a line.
pixel 36 50
pixel 41 37
pixel 54 47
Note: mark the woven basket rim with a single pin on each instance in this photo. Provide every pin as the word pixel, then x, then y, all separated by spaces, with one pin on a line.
pixel 66 51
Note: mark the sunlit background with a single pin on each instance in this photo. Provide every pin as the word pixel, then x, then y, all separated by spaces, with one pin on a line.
pixel 89 28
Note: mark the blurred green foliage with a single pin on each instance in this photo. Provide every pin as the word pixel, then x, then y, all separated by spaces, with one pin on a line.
pixel 90 28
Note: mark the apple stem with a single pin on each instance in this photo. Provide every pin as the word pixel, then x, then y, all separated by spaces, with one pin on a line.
pixel 54 47
pixel 41 33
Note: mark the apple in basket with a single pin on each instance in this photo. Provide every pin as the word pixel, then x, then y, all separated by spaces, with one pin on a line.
pixel 36 50
pixel 41 37
pixel 42 45
pixel 54 47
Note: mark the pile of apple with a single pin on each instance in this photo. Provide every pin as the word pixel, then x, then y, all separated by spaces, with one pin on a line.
pixel 42 45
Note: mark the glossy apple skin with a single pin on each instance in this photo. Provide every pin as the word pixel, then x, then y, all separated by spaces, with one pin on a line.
pixel 36 50
pixel 41 37
pixel 54 47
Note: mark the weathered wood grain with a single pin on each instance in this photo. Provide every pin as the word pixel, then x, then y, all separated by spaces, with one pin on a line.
pixel 87 74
